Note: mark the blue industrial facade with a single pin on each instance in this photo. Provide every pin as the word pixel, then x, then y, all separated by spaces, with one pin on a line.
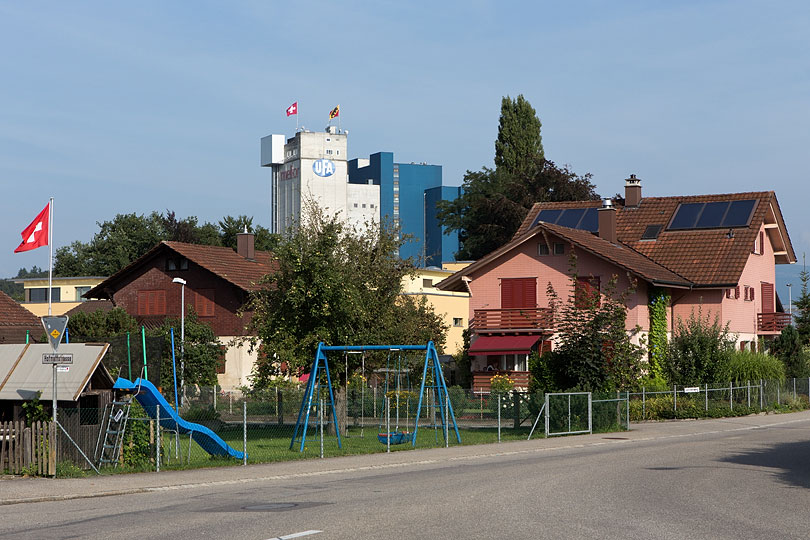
pixel 408 196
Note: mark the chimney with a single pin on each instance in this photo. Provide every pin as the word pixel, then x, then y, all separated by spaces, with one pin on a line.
pixel 245 245
pixel 607 221
pixel 632 191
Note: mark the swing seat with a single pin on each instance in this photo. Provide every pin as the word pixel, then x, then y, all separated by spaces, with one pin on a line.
pixel 396 437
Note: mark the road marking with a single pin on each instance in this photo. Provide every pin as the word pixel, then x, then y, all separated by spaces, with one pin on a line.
pixel 295 535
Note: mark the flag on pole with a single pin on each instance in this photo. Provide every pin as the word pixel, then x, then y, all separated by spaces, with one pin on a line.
pixel 335 112
pixel 292 109
pixel 36 234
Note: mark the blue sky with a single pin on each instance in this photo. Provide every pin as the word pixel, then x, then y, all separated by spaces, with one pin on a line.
pixel 134 107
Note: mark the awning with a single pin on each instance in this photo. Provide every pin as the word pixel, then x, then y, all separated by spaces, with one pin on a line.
pixel 487 345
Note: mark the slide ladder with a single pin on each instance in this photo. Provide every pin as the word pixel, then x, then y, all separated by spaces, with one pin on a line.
pixel 108 448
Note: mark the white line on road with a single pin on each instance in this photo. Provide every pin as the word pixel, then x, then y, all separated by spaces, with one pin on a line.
pixel 295 535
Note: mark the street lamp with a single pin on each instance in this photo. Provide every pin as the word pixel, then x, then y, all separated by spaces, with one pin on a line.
pixel 182 283
pixel 790 301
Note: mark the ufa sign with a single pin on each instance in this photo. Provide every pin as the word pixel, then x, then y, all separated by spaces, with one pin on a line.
pixel 324 167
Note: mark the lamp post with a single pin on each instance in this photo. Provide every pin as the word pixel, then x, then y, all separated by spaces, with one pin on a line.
pixel 790 301
pixel 182 283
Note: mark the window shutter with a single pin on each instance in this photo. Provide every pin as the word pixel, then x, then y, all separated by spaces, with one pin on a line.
pixel 737 292
pixel 767 298
pixel 518 293
pixel 761 242
pixel 204 302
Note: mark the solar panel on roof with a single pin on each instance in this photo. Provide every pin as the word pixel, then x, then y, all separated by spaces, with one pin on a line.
pixel 739 213
pixel 549 216
pixel 590 221
pixel 651 232
pixel 713 215
pixel 570 217
pixel 686 216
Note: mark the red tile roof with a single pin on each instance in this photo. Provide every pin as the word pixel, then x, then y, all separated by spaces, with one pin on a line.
pixel 705 257
pixel 696 258
pixel 13 314
pixel 221 261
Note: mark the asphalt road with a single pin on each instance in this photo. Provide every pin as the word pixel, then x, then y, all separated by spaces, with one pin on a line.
pixel 737 478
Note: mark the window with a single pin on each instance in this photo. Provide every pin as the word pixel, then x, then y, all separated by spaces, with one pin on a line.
pixel 39 295
pixel 204 302
pixel 542 249
pixel 426 283
pixel 79 292
pixel 355 205
pixel 364 205
pixel 559 249
pixel 758 244
pixel 652 232
pixel 749 294
pixel 587 292
pixel 371 206
pixel 518 293
pixel 458 322
pixel 151 303
pixel 329 152
pixel 176 263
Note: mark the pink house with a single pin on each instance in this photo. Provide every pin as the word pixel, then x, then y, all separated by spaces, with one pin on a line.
pixel 716 253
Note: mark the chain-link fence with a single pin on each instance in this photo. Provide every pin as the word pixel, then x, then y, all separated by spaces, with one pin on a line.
pixel 218 428
pixel 719 399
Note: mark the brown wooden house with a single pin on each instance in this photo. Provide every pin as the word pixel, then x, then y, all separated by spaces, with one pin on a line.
pixel 218 281
pixel 16 322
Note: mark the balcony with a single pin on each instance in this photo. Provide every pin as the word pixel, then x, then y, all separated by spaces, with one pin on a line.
pixel 512 320
pixel 772 322
pixel 481 380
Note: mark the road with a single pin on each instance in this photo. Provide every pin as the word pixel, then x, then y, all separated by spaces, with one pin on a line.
pixel 736 478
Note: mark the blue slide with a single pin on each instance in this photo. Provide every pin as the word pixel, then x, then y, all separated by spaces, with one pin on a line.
pixel 149 397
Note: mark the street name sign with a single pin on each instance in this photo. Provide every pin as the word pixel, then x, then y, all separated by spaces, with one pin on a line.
pixel 53 358
pixel 691 389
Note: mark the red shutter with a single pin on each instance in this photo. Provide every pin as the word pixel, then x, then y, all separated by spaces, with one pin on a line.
pixel 204 302
pixel 761 243
pixel 767 298
pixel 587 288
pixel 737 292
pixel 143 299
pixel 518 293
pixel 151 303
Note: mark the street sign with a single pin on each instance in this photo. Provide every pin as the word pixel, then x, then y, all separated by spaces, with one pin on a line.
pixel 62 369
pixel 53 358
pixel 55 328
pixel 691 389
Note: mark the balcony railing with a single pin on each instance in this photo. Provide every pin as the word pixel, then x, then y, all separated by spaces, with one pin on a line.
pixel 773 322
pixel 512 319
pixel 481 380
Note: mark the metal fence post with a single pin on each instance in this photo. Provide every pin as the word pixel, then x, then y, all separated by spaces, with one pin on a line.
pixel 761 401
pixel 675 396
pixel 794 388
pixel 748 392
pixel 320 421
pixel 627 409
pixel 778 397
pixel 447 420
pixel 643 403
pixel 499 417
pixel 388 424
pixel 731 395
pixel 157 438
pixel 707 397
pixel 244 432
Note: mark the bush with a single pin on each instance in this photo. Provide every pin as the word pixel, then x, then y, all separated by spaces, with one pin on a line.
pixel 697 349
pixel 742 366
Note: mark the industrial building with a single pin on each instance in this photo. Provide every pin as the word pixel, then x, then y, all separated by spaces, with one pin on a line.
pixel 313 166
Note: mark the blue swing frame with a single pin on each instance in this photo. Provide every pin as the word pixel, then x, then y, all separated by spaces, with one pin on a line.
pixel 321 364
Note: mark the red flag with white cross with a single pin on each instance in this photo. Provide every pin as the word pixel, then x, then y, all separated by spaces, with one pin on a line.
pixel 292 109
pixel 36 234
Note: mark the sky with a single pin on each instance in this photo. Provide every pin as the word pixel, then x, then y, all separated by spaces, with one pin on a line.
pixel 140 106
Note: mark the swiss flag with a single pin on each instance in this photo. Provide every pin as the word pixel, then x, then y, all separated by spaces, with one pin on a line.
pixel 292 109
pixel 36 234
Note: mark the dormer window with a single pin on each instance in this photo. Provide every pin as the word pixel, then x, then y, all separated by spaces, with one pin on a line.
pixel 174 264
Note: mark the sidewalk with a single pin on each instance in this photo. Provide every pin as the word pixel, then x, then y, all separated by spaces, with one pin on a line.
pixel 14 490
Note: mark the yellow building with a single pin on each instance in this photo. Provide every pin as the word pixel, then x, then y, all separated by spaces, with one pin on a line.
pixel 66 293
pixel 453 307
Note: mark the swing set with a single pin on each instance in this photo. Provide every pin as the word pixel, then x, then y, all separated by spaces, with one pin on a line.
pixel 432 385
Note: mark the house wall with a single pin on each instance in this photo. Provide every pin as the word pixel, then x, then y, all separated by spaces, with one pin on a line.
pixel 450 305
pixel 239 362
pixel 741 313
pixel 227 298
pixel 524 261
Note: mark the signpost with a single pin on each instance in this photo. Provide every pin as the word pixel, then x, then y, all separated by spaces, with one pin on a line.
pixel 691 390
pixel 55 328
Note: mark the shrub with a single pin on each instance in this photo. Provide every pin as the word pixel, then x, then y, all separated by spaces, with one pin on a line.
pixel 741 366
pixel 697 349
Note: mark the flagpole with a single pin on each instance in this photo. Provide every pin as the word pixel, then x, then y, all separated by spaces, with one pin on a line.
pixel 297 108
pixel 50 254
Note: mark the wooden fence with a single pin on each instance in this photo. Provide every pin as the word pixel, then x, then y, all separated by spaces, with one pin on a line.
pixel 28 449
